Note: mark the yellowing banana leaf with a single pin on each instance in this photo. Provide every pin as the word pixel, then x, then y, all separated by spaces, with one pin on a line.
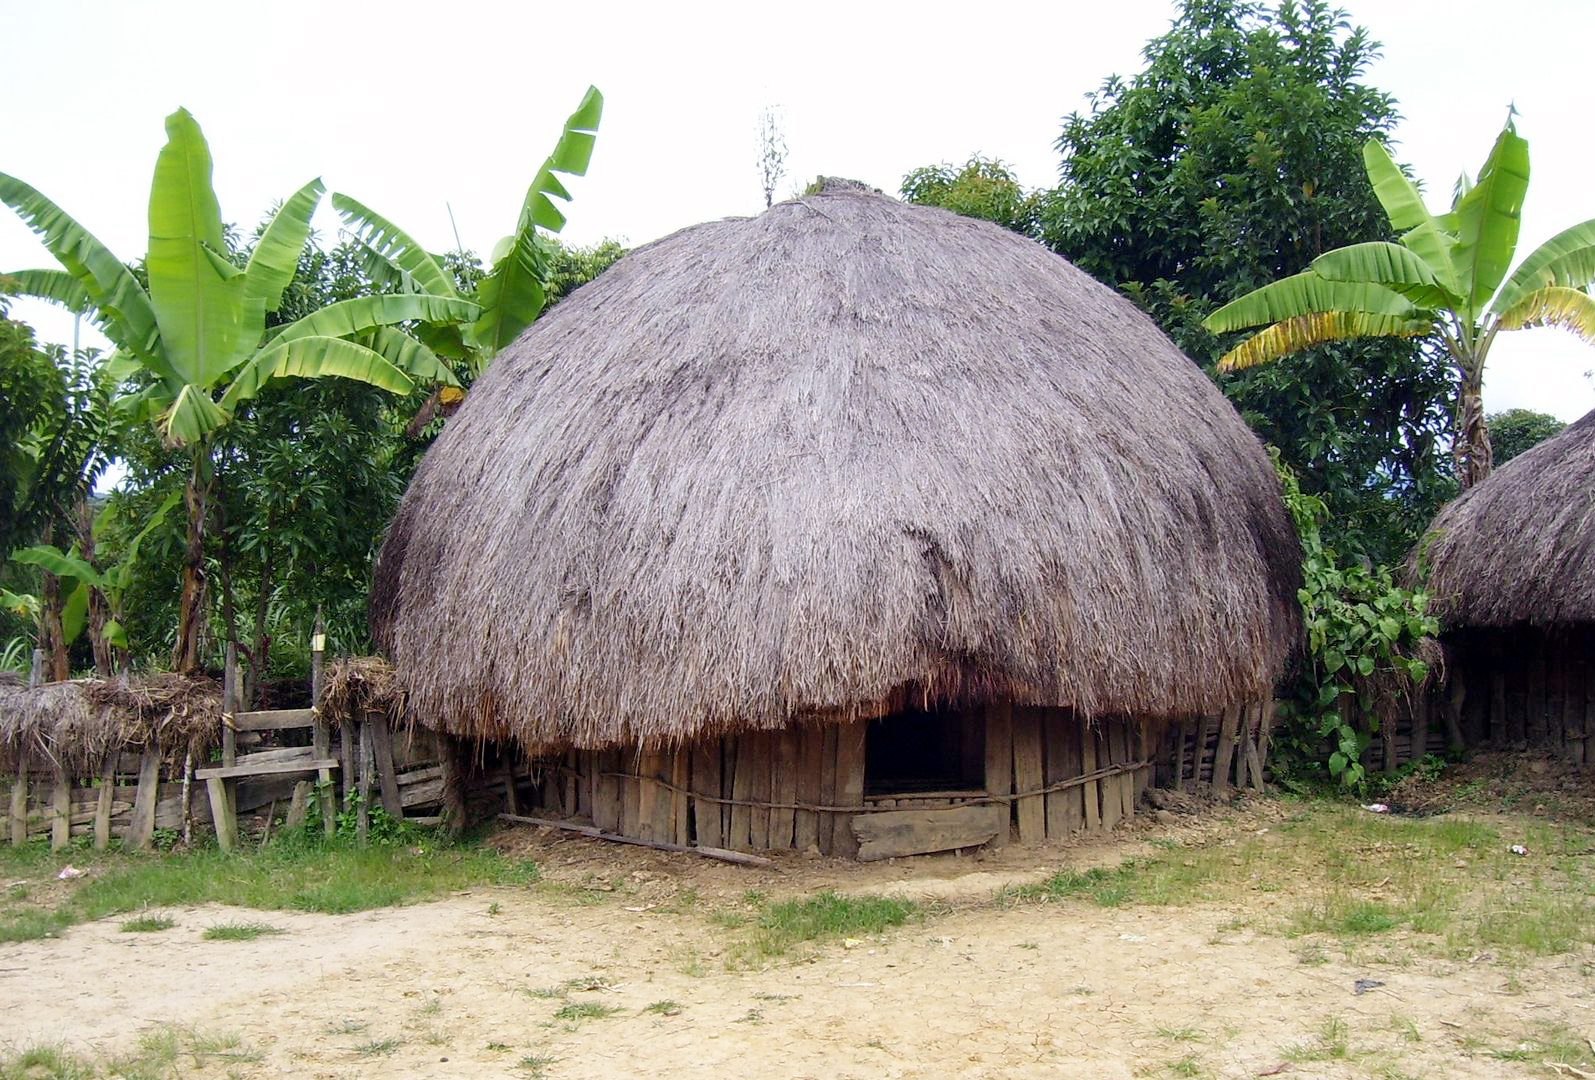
pixel 394 247
pixel 1305 294
pixel 1488 217
pixel 313 357
pixel 276 256
pixel 1554 305
pixel 1304 331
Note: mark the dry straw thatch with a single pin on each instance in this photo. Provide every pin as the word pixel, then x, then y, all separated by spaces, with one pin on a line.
pixel 844 452
pixel 75 724
pixel 358 683
pixel 1520 547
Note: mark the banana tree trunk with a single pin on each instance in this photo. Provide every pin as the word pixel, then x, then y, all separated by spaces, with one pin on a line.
pixel 51 638
pixel 1472 445
pixel 191 607
pixel 99 609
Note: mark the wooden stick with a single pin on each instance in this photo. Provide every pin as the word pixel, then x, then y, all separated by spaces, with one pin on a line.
pixel 188 798
pixel 738 857
pixel 19 805
pixel 102 809
pixel 61 810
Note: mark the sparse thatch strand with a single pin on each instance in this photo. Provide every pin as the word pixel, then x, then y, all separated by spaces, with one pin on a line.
pixel 1520 547
pixel 356 683
pixel 846 452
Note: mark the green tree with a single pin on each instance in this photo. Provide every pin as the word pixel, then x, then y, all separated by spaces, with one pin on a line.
pixel 1517 430
pixel 194 340
pixel 514 290
pixel 1230 159
pixel 1448 278
pixel 979 188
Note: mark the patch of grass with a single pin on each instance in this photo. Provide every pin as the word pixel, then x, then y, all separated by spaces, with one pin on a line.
pixel 44 1062
pixel 1403 1026
pixel 32 924
pixel 433 1007
pixel 378 1047
pixel 1333 1044
pixel 239 931
pixel 295 872
pixel 346 1027
pixel 146 924
pixel 536 1065
pixel 1189 1065
pixel 828 915
pixel 574 1012
pixel 664 1008
pixel 1182 1034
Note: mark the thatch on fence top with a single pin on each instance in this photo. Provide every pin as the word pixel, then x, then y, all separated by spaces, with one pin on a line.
pixel 841 454
pixel 75 724
pixel 1520 547
pixel 357 683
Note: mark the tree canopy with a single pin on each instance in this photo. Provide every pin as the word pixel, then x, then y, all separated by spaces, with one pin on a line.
pixel 1229 160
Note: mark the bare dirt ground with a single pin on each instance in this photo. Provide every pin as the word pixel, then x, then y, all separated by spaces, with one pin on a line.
pixel 501 982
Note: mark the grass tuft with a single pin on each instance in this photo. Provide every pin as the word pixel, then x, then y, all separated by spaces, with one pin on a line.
pixel 146 924
pixel 239 931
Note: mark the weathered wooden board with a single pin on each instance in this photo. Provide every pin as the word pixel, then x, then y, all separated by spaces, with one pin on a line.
pixel 828 787
pixel 1091 791
pixel 849 782
pixel 274 720
pixel 1224 754
pixel 999 758
pixel 1061 764
pixel 784 789
pixel 266 768
pixel 142 826
pixel 806 823
pixel 387 777
pixel 707 820
pixel 1027 773
pixel 680 780
pixel 892 833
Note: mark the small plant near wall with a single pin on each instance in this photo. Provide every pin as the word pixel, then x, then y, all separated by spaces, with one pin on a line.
pixel 1366 639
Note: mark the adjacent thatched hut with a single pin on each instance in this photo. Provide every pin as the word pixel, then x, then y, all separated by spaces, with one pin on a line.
pixel 1512 570
pixel 850 505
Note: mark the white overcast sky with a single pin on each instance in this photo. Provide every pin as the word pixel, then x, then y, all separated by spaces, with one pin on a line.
pixel 415 107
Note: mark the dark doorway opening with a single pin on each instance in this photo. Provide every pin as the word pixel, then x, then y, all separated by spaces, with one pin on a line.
pixel 922 750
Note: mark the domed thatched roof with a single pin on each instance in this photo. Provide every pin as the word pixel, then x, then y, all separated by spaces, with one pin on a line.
pixel 1520 547
pixel 838 455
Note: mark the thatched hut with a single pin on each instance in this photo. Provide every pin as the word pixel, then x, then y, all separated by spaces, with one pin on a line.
pixel 1512 571
pixel 849 506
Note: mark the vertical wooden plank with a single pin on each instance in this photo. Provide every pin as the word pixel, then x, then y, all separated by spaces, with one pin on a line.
pixel 1200 748
pixel 1535 727
pixel 141 827
pixel 1499 728
pixel 760 764
pixel 453 770
pixel 106 796
pixel 828 818
pixel 61 810
pixel 1141 749
pixel 740 757
pixel 1224 755
pixel 999 761
pixel 706 815
pixel 570 793
pixel 1119 745
pixel 1091 790
pixel 221 812
pixel 1555 694
pixel 849 782
pixel 1055 749
pixel 654 819
pixel 811 752
pixel 631 792
pixel 19 803
pixel 1027 773
pixel 1182 735
pixel 1112 806
pixel 784 788
pixel 1422 702
pixel 367 765
pixel 298 807
pixel 680 780
pixel 387 775
pixel 606 790
pixel 1573 733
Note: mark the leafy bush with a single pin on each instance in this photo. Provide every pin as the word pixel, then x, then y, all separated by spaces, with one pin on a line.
pixel 1364 635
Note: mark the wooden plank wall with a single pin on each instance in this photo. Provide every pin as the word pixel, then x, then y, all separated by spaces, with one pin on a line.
pixel 1518 689
pixel 752 792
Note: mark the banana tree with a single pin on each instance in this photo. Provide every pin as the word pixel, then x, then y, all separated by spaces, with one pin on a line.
pixel 87 583
pixel 515 289
pixel 195 343
pixel 1448 277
